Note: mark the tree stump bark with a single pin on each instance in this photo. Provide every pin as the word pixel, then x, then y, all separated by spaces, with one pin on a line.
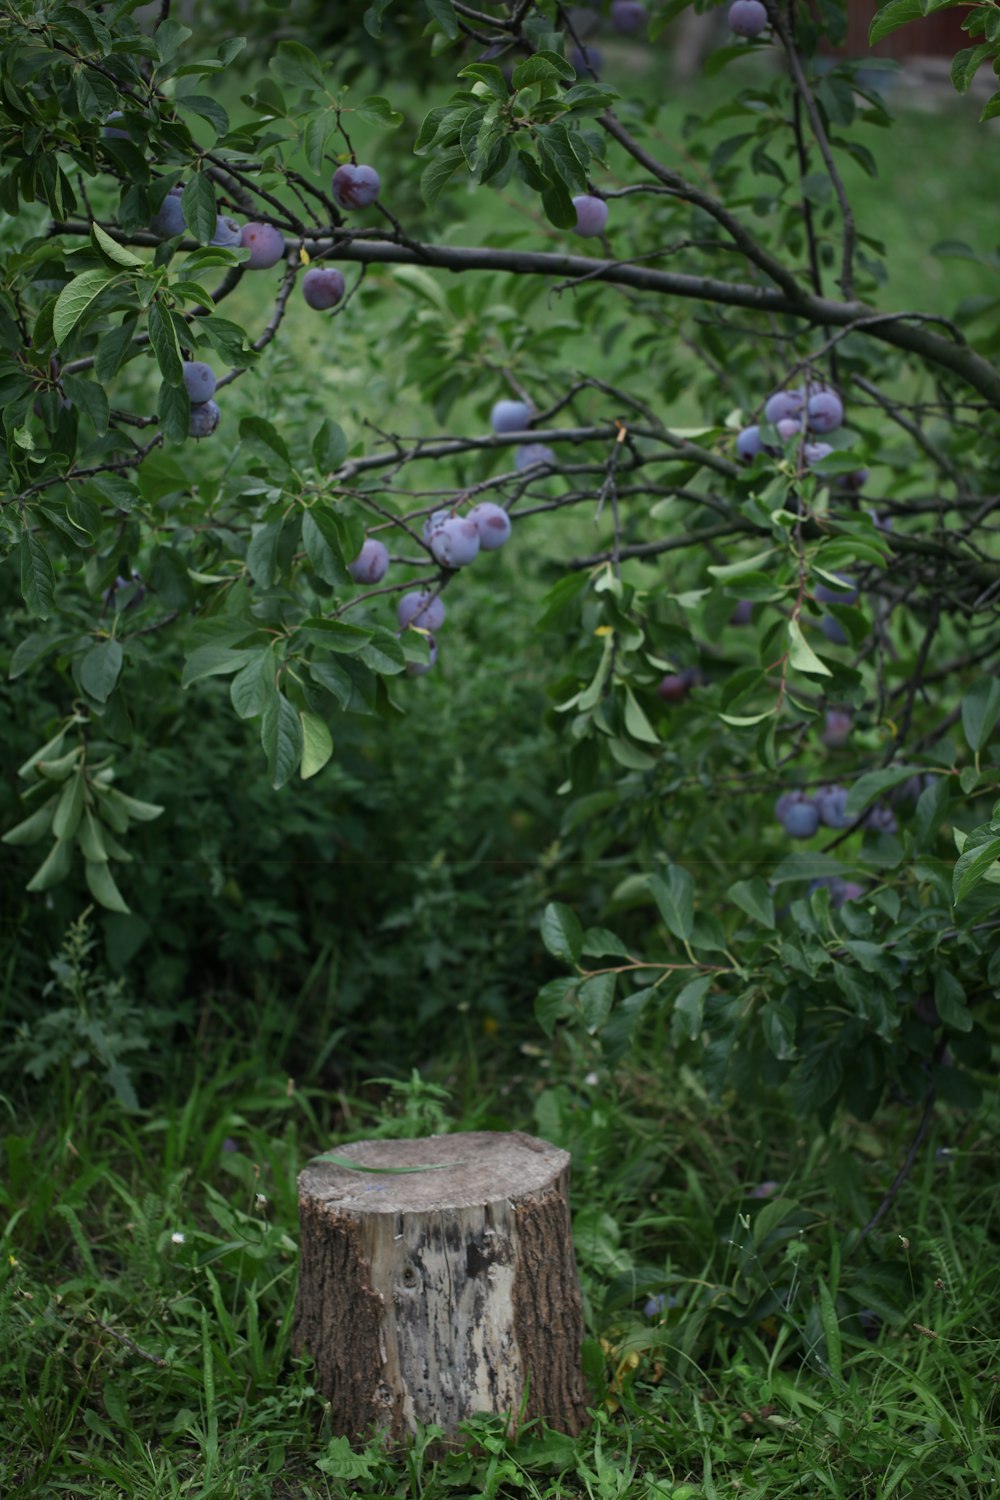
pixel 426 1296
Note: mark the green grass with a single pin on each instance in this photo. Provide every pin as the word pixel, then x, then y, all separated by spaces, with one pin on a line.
pixel 149 1264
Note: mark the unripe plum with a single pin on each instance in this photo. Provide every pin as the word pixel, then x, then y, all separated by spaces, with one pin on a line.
pixel 418 668
pixel 801 820
pixel 371 563
pixel 199 380
pixel 824 411
pixel 423 609
pixel 355 186
pixel 227 232
pixel 169 219
pixel 322 287
pixel 783 403
pixel 836 728
pixel 493 524
pixel 530 454
pixel 591 214
pixel 747 18
pixel 511 416
pixel 265 243
pixel 628 16
pixel 204 419
pixel 456 542
pixel 748 443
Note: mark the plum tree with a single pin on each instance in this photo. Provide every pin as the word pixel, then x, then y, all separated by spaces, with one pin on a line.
pixel 371 563
pixel 511 416
pixel 199 380
pixel 492 523
pixel 204 419
pixel 322 287
pixel 456 542
pixel 591 214
pixel 265 243
pixel 748 18
pixel 355 186
pixel 421 608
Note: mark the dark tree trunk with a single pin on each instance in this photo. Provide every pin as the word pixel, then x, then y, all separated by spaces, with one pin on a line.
pixel 427 1296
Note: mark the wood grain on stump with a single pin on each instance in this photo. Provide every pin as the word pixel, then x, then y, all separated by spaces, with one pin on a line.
pixel 428 1296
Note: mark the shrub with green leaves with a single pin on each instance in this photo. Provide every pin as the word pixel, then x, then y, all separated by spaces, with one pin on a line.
pixel 837 566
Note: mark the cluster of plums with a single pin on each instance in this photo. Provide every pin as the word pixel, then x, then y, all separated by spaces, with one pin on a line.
pixel 200 383
pixel 801 814
pixel 516 416
pixel 454 541
pixel 805 412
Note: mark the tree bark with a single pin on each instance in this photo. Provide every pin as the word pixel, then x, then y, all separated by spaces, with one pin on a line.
pixel 426 1296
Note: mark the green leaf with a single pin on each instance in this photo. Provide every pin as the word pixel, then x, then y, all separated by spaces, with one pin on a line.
pixel 329 447
pixel 897 13
pixel 69 808
pixel 101 884
pixel 254 685
pixel 443 12
pixel 552 1003
pixel 113 251
pixel 55 867
pixel 801 655
pixel 972 866
pixel 163 337
pixel 77 296
pixel 99 670
pixel 596 996
pixel 598 942
pixel 439 172
pixel 262 553
pixel 753 897
pixel 173 406
pixel 281 738
pixel 674 895
pixel 198 206
pixel 261 434
pixel 637 723
pixel 33 828
pixel 375 110
pixel 317 745
pixel 491 76
pixel 540 66
pixel 562 933
pixel 295 65
pixel 980 710
pixel 870 786
pixel 91 839
pixel 831 1329
pixel 215 661
pixel 38 581
pixel 689 1007
pixel 949 997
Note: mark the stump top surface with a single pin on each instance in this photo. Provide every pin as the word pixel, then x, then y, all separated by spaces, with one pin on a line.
pixel 468 1171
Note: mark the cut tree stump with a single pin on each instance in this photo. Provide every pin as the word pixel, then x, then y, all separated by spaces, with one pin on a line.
pixel 427 1296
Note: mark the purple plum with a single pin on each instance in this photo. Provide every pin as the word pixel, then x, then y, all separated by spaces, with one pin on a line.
pixel 847 595
pixel 824 411
pixel 743 613
pixel 371 563
pixel 801 820
pixel 423 609
pixel 265 243
pixel 456 542
pixel 493 524
pixel 586 60
pixel 591 214
pixel 530 454
pixel 322 287
pixel 814 453
pixel 881 819
pixel 511 416
pixel 747 18
pixel 675 686
pixel 109 132
pixel 434 522
pixel 831 802
pixel 787 428
pixel 227 232
pixel 204 419
pixel 199 380
pixel 836 728
pixel 355 186
pixel 169 219
pixel 628 16
pixel 783 403
pixel 833 630
pixel 748 443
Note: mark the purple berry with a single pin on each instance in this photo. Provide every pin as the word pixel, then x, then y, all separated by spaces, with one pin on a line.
pixel 836 728
pixel 493 524
pixel 801 820
pixel 742 614
pixel 881 819
pixel 199 380
pixel 847 595
pixel 371 563
pixel 831 801
pixel 322 287
pixel 628 16
pixel 591 214
pixel 511 416
pixel 418 668
pixel 675 686
pixel 824 411
pixel 456 542
pixel 530 454
pixel 788 428
pixel 265 243
pixel 783 403
pixel 227 232
pixel 434 522
pixel 204 419
pixel 355 186
pixel 422 609
pixel 814 453
pixel 833 630
pixel 169 219
pixel 747 18
pixel 748 443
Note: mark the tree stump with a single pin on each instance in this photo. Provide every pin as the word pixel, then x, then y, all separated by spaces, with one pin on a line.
pixel 426 1296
